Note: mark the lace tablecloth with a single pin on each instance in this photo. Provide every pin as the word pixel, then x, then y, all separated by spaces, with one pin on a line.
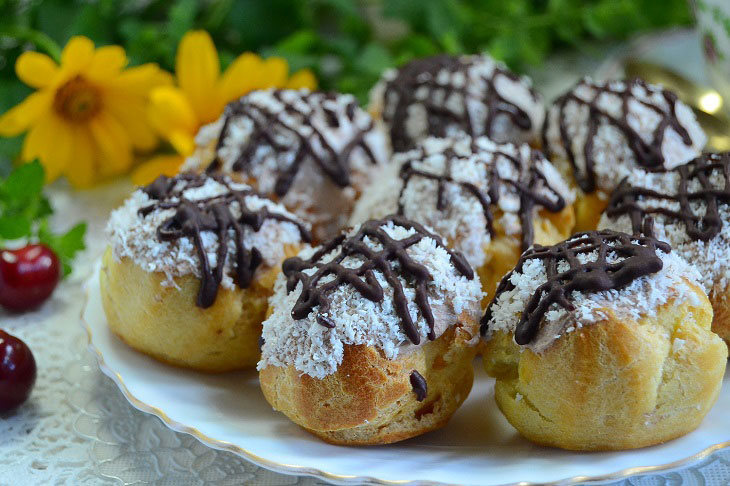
pixel 78 429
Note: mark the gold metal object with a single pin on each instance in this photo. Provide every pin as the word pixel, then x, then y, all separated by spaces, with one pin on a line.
pixel 707 104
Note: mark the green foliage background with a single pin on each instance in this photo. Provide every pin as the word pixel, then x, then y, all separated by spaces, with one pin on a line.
pixel 346 42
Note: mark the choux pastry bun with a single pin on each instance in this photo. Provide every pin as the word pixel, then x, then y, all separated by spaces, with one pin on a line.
pixel 603 342
pixel 371 337
pixel 191 263
pixel 688 207
pixel 312 151
pixel 598 132
pixel 447 95
pixel 488 201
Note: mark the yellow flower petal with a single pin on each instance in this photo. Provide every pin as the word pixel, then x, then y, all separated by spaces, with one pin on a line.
pixel 304 78
pixel 183 142
pixel 139 80
pixel 197 68
pixel 243 75
pixel 113 144
pixel 81 171
pixel 35 69
pixel 169 110
pixel 168 165
pixel 275 70
pixel 132 114
pixel 20 117
pixel 108 62
pixel 77 55
pixel 49 141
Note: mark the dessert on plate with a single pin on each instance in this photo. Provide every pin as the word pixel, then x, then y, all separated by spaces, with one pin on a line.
pixel 371 336
pixel 688 207
pixel 597 132
pixel 489 201
pixel 191 262
pixel 603 342
pixel 312 151
pixel 446 95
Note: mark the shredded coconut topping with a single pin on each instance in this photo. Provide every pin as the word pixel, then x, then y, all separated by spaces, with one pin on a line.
pixel 316 350
pixel 446 95
pixel 315 151
pixel 711 258
pixel 646 108
pixel 639 299
pixel 135 237
pixel 460 217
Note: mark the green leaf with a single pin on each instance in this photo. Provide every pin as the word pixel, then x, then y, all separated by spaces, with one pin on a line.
pixel 299 42
pixel 36 37
pixel 24 184
pixel 566 16
pixel 24 212
pixel 13 227
pixel 55 18
pixel 373 59
pixel 65 246
pixel 92 23
pixel 216 14
pixel 181 18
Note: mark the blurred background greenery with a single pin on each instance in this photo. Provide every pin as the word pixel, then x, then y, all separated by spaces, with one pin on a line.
pixel 347 43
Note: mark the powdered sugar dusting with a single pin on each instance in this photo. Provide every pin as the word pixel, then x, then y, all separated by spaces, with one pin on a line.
pixel 613 156
pixel 134 237
pixel 639 299
pixel 461 221
pixel 318 351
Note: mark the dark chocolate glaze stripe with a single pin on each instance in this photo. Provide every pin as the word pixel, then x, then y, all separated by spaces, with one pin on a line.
pixel 362 278
pixel 334 164
pixel 422 73
pixel 420 387
pixel 637 258
pixel 528 188
pixel 213 214
pixel 648 155
pixel 636 201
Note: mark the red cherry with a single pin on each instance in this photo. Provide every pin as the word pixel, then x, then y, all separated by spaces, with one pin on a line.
pixel 28 276
pixel 17 372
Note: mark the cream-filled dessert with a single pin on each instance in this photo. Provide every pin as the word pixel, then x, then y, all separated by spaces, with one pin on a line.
pixel 447 95
pixel 597 133
pixel 603 342
pixel 489 201
pixel 312 151
pixel 371 336
pixel 191 262
pixel 688 207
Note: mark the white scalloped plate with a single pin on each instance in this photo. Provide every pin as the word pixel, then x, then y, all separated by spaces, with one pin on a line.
pixel 478 446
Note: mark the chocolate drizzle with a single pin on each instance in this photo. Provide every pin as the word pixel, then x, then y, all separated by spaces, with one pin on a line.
pixel 637 257
pixel 214 214
pixel 391 260
pixel 648 155
pixel 420 387
pixel 531 186
pixel 425 73
pixel 270 125
pixel 636 201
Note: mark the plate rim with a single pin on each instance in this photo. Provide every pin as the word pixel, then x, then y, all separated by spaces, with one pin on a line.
pixel 300 470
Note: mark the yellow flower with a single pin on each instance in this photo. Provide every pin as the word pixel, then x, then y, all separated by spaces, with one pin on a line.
pixel 201 94
pixel 88 113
